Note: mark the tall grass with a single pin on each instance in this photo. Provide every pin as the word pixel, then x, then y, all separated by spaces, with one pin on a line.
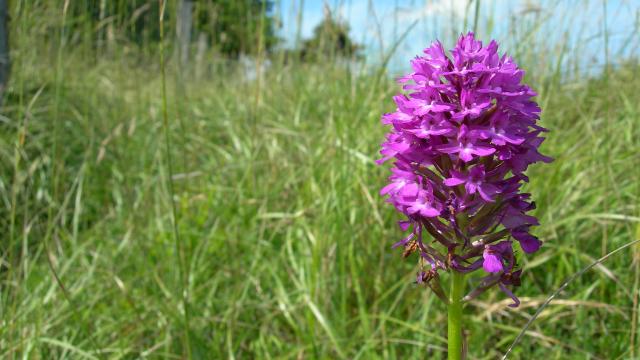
pixel 285 243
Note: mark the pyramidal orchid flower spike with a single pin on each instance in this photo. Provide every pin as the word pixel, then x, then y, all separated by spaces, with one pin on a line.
pixel 461 138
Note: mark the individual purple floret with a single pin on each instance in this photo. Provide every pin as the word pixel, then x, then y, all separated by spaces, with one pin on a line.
pixel 461 139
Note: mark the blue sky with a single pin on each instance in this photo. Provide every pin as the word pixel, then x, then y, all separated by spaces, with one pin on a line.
pixel 578 24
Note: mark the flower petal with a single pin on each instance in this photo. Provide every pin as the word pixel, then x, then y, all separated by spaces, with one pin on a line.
pixel 528 242
pixel 453 181
pixel 492 262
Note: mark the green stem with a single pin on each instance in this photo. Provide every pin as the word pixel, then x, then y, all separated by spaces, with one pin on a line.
pixel 455 316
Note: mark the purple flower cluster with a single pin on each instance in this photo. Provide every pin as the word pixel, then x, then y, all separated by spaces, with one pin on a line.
pixel 461 139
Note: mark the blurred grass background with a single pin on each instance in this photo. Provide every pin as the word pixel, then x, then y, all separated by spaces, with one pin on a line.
pixel 284 244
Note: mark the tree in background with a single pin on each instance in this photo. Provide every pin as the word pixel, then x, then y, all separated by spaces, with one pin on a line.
pixel 133 21
pixel 330 39
pixel 234 27
pixel 238 27
pixel 5 63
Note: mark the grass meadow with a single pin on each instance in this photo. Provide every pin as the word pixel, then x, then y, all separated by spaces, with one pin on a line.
pixel 280 248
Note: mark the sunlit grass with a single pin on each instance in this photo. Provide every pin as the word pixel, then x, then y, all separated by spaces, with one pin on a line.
pixel 286 241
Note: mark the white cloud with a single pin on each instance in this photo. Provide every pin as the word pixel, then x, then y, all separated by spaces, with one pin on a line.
pixel 438 7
